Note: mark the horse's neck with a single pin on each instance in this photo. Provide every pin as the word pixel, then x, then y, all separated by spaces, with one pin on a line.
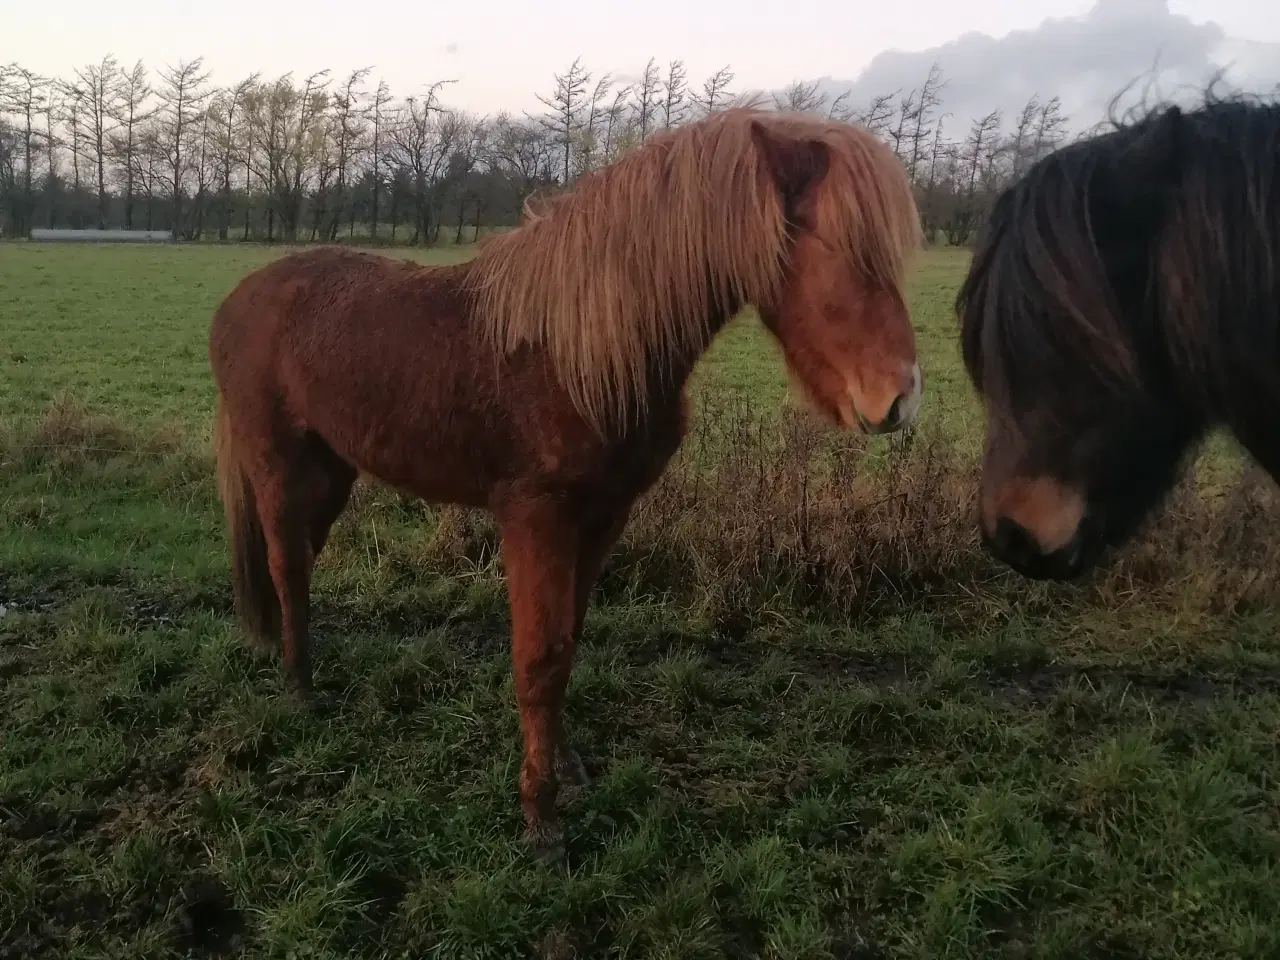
pixel 670 374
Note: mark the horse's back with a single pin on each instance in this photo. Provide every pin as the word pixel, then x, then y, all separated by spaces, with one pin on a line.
pixel 288 306
pixel 385 363
pixel 272 293
pixel 374 356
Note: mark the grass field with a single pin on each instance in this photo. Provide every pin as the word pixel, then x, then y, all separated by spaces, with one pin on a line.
pixel 819 722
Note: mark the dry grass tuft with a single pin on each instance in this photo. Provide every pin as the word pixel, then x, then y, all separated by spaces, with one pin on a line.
pixel 68 434
pixel 761 517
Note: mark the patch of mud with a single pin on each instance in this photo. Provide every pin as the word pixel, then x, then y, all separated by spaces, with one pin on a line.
pixel 206 919
pixel 76 909
pixel 42 820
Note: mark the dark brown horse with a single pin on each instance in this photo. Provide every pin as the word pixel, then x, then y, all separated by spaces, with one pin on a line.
pixel 1123 301
pixel 543 379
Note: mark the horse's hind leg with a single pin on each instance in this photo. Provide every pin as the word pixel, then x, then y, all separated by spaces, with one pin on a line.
pixel 289 559
pixel 300 493
pixel 329 480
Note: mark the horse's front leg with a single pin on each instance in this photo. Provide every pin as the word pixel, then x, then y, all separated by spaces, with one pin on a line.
pixel 540 546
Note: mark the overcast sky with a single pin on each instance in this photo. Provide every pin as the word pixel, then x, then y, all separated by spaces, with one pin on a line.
pixel 500 52
pixel 1087 59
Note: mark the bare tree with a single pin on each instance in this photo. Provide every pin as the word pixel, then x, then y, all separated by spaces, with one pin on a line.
pixel 423 137
pixel 182 95
pixel 981 134
pixel 589 137
pixel 1021 139
pixel 226 112
pixel 565 104
pixel 928 212
pixel 482 138
pixel 204 153
pixel 151 144
pixel 467 151
pixel 615 136
pixel 312 104
pixel 840 109
pixel 271 111
pixel 381 98
pixel 8 150
pixel 675 90
pixel 976 157
pixel 320 157
pixel 52 111
pixel 349 127
pixel 801 97
pixel 73 115
pixel 132 109
pixel 647 93
pixel 876 116
pixel 100 85
pixel 285 146
pixel 523 152
pixel 26 95
pixel 715 94
pixel 906 114
pixel 294 152
pixel 927 102
pixel 245 136
pixel 1051 127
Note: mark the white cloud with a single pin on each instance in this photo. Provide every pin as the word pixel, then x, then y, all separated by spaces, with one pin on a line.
pixel 1085 60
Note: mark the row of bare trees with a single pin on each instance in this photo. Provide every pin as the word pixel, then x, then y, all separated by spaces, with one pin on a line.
pixel 324 158
pixel 278 159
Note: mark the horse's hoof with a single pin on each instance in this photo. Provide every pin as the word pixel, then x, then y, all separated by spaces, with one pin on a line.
pixel 546 842
pixel 299 686
pixel 569 768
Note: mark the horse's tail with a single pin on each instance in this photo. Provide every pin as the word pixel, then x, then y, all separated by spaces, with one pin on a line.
pixel 256 603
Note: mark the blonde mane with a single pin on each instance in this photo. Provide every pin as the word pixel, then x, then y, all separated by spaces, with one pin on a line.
pixel 631 265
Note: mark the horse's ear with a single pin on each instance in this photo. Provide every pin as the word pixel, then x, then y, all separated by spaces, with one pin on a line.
pixel 797 163
pixel 1134 187
pixel 1149 166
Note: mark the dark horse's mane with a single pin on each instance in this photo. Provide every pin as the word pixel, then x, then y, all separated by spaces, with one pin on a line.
pixel 1144 256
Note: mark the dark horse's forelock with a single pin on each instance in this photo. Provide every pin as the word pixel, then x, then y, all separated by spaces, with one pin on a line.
pixel 1037 296
pixel 1105 273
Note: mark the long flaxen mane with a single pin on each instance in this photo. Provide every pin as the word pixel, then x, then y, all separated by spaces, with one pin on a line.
pixel 1142 256
pixel 623 275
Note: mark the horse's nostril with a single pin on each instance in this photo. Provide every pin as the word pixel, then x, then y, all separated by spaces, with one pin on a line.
pixel 1013 540
pixel 893 417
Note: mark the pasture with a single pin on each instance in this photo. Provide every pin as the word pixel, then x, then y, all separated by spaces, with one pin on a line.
pixel 819 722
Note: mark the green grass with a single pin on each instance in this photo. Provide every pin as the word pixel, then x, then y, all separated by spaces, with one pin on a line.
pixel 949 763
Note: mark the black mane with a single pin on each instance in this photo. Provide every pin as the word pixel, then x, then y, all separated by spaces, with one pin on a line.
pixel 1134 265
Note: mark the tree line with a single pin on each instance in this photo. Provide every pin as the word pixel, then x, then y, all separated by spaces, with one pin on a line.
pixel 324 158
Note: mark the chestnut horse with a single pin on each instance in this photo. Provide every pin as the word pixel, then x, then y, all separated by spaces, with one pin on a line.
pixel 1123 300
pixel 536 203
pixel 543 379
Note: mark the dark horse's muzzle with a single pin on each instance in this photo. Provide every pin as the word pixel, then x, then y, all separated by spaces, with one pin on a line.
pixel 1014 546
